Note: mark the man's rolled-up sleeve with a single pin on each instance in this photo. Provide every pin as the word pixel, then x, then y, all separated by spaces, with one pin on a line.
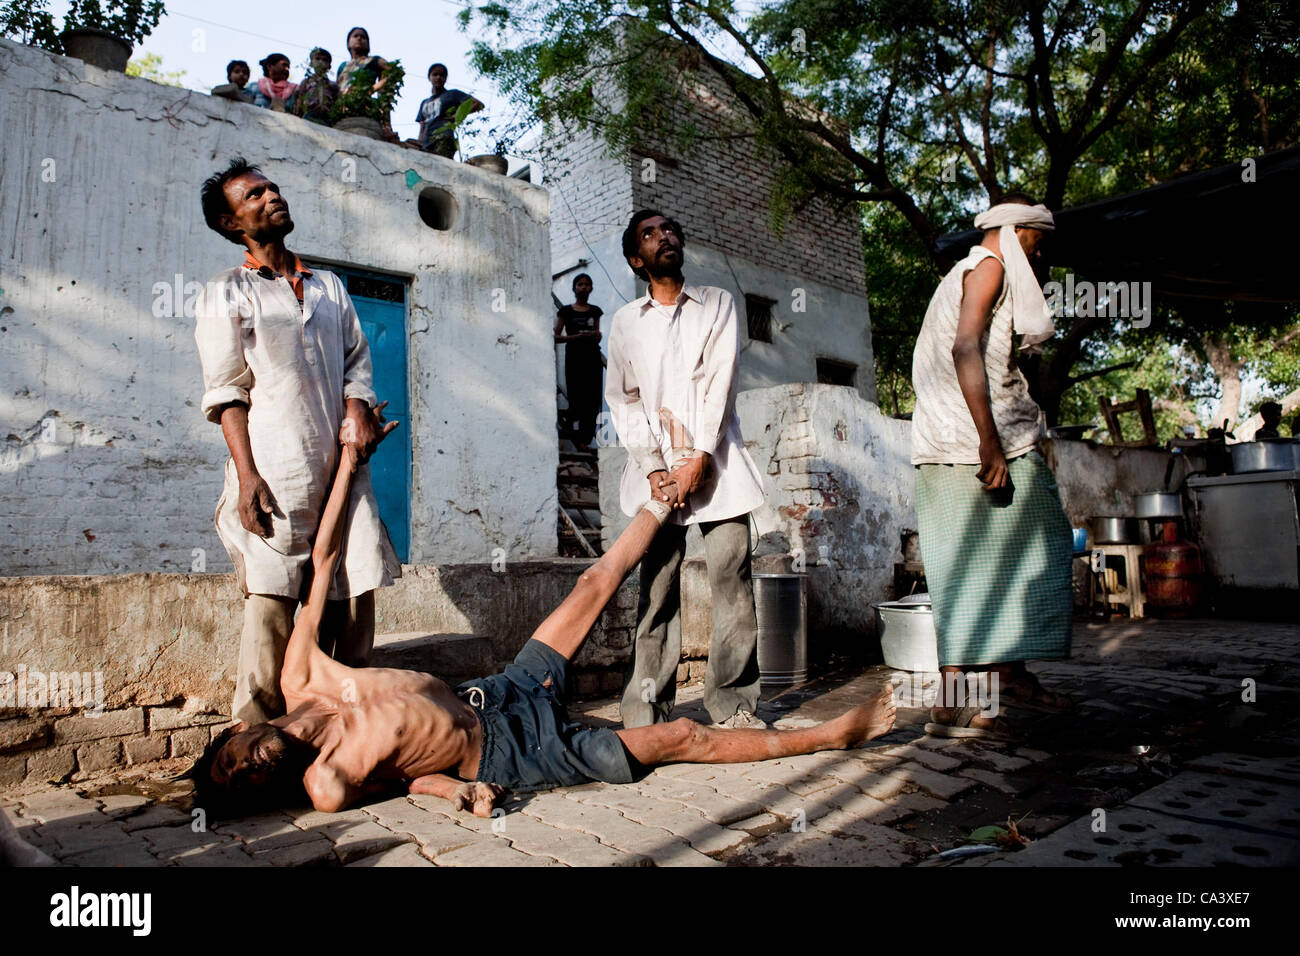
pixel 358 372
pixel 226 375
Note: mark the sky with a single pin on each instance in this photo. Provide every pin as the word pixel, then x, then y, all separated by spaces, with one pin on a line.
pixel 201 37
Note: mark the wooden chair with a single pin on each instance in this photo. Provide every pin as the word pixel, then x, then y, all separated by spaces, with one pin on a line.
pixel 1142 405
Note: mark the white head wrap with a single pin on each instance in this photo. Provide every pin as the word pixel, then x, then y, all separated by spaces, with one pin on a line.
pixel 1030 317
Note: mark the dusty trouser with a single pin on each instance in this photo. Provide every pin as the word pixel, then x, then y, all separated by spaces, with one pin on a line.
pixel 347 634
pixel 731 678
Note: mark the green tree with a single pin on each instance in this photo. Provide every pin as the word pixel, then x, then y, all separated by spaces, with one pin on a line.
pixel 923 111
pixel 149 66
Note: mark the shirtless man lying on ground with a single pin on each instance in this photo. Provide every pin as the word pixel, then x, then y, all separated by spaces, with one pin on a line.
pixel 350 732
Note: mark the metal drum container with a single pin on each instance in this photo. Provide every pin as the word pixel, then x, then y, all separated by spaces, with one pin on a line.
pixel 781 602
pixel 1269 455
pixel 907 638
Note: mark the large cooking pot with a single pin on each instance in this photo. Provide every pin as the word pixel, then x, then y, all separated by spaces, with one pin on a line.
pixel 1266 455
pixel 1159 504
pixel 1109 529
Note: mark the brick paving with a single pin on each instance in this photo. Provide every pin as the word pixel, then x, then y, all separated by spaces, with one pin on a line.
pixel 1165 712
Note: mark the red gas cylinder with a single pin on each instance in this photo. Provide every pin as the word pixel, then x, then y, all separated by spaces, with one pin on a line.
pixel 1174 574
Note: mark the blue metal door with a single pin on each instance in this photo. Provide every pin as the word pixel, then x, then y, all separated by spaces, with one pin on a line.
pixel 380 302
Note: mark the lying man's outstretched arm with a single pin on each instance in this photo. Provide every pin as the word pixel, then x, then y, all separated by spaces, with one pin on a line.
pixel 304 662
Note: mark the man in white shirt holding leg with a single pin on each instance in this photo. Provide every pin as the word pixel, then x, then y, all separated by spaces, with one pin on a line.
pixel 673 358
pixel 286 366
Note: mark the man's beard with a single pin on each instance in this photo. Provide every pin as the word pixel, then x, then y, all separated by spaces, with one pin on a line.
pixel 285 761
pixel 666 270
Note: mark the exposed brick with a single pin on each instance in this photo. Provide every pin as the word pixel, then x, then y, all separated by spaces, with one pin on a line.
pixel 145 749
pixel 24 733
pixel 176 718
pixel 13 769
pixel 51 765
pixel 112 723
pixel 190 742
pixel 801 466
pixel 99 755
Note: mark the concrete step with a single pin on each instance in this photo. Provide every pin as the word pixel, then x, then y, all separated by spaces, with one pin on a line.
pixel 450 657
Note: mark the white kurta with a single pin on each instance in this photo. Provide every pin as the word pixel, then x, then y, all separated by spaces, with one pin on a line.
pixel 683 358
pixel 295 365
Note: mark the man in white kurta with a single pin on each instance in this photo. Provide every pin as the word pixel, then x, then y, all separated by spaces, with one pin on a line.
pixel 673 357
pixel 285 365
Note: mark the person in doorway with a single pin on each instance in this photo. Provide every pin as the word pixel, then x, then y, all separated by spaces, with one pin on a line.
pixel 673 356
pixel 994 538
pixel 577 326
pixel 285 366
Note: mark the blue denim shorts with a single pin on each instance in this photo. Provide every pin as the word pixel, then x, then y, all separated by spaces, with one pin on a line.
pixel 529 742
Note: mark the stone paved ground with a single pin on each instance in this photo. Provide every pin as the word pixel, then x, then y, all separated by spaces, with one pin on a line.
pixel 1161 721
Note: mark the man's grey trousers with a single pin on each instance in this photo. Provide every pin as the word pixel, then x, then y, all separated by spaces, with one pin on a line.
pixel 731 679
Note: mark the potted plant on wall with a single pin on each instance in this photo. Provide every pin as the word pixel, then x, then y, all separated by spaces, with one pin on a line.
pixel 102 33
pixel 30 22
pixel 365 110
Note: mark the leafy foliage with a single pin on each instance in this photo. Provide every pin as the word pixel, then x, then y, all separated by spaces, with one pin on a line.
pixel 925 111
pixel 132 20
pixel 362 100
pixel 149 66
pixel 30 22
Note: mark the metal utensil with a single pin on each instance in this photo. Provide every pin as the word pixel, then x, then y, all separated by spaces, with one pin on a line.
pixel 1111 529
pixel 1159 504
pixel 1271 455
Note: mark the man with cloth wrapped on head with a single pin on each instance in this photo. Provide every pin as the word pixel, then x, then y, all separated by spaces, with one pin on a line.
pixel 994 538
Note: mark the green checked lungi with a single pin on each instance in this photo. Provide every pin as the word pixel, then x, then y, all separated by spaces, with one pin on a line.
pixel 997 563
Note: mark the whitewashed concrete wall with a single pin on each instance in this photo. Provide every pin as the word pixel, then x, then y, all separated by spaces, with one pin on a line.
pixel 106 464
pixel 839 490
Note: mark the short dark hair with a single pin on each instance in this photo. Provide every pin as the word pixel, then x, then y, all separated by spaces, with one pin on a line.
pixel 630 243
pixel 1017 196
pixel 234 63
pixel 580 275
pixel 266 61
pixel 213 196
pixel 434 66
pixel 239 799
pixel 320 49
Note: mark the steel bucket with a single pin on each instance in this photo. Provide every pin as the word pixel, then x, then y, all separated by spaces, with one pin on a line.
pixel 907 637
pixel 781 603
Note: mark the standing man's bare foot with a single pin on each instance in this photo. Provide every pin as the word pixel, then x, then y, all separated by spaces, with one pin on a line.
pixel 867 721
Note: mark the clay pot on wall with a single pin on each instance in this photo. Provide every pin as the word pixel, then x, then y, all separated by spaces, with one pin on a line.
pixel 491 162
pixel 362 126
pixel 98 48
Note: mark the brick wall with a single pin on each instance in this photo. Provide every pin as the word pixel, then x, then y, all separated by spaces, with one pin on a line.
pixel 721 191
pixel 591 194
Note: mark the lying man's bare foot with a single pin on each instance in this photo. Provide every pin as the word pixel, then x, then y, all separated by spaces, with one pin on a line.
pixel 867 721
